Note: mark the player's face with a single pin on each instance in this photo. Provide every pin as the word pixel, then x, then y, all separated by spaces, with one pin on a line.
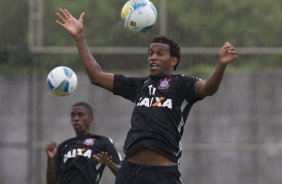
pixel 160 61
pixel 80 119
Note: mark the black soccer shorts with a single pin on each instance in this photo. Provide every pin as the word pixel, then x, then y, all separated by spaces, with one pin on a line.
pixel 131 173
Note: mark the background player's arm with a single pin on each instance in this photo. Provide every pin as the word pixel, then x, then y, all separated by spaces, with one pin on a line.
pixel 75 28
pixel 208 87
pixel 51 151
pixel 106 159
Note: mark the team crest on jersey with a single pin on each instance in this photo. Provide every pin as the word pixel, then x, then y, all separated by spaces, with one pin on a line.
pixel 89 142
pixel 164 84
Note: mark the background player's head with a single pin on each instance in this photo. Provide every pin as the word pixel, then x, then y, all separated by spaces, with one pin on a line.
pixel 81 117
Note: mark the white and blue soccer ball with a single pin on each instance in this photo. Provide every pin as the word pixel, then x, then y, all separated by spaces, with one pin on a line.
pixel 62 81
pixel 139 15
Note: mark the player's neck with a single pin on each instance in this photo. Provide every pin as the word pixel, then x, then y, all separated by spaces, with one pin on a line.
pixel 82 134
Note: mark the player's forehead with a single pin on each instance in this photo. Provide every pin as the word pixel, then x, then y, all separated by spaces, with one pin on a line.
pixel 159 46
pixel 76 109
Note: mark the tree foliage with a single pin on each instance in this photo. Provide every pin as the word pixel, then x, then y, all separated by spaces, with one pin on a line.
pixel 201 23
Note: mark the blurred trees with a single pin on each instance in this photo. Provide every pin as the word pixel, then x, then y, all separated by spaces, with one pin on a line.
pixel 13 34
pixel 192 23
pixel 201 23
pixel 211 22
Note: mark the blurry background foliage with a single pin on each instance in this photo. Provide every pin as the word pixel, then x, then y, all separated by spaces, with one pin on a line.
pixel 201 23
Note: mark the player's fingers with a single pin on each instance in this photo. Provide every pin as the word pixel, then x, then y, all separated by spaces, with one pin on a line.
pixel 227 45
pixel 63 14
pixel 51 145
pixel 54 143
pixel 81 17
pixel 59 23
pixel 60 17
pixel 232 49
pixel 229 49
pixel 231 52
pixel 67 13
pixel 96 158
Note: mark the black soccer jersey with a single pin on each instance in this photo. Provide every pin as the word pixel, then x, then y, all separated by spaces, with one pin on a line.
pixel 75 163
pixel 162 105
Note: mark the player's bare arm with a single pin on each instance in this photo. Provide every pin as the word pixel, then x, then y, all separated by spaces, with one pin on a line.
pixel 51 151
pixel 106 159
pixel 208 87
pixel 75 28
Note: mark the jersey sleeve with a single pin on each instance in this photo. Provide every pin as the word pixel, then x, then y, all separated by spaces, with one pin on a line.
pixel 110 148
pixel 189 86
pixel 125 87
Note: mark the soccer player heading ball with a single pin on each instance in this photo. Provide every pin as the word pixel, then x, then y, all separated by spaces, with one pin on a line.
pixel 162 104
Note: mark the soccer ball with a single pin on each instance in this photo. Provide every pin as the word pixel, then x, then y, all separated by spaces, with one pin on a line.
pixel 139 15
pixel 62 81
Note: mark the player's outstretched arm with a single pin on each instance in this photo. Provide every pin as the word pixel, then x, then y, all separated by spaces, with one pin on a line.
pixel 208 87
pixel 106 159
pixel 51 151
pixel 75 28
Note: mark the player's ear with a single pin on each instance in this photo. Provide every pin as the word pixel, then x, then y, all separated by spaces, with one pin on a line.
pixel 91 119
pixel 174 61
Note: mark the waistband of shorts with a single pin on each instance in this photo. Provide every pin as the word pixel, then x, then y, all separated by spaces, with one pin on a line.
pixel 136 166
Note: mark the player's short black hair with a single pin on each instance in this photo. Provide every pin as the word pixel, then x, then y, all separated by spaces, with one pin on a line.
pixel 174 48
pixel 85 105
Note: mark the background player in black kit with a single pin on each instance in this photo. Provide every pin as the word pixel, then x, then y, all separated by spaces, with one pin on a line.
pixel 82 159
pixel 162 103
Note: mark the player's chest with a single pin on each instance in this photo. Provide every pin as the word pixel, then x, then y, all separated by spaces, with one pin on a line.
pixel 158 93
pixel 164 86
pixel 82 147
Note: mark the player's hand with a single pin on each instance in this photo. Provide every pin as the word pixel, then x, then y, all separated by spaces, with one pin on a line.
pixel 51 149
pixel 103 158
pixel 227 53
pixel 69 23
